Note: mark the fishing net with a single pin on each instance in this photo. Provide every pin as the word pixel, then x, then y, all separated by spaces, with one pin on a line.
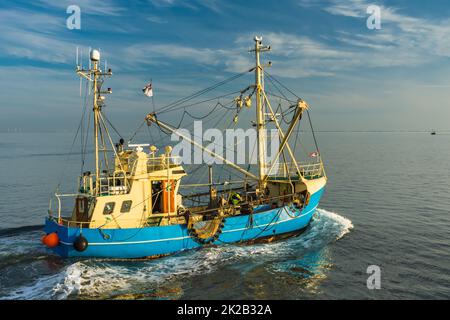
pixel 206 231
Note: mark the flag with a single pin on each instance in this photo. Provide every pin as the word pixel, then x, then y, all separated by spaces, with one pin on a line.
pixel 314 154
pixel 148 90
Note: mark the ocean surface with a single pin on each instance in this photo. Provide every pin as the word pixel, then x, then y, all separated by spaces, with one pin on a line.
pixel 387 203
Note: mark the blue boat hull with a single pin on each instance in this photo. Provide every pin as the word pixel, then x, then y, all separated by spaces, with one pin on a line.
pixel 163 240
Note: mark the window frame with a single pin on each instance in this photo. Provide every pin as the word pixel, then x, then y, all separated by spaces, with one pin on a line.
pixel 129 208
pixel 112 209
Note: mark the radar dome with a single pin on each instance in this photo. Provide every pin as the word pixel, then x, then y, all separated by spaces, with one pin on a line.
pixel 95 55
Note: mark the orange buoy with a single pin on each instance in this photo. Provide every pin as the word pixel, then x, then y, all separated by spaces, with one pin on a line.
pixel 42 238
pixel 51 240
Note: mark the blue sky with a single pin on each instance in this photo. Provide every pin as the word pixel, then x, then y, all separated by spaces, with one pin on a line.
pixel 396 78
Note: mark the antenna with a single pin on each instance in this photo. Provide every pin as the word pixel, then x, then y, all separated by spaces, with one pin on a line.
pixel 90 49
pixel 78 68
pixel 89 87
pixel 99 61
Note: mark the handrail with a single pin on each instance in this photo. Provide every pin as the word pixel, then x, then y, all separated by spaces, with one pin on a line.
pixel 64 195
pixel 307 170
pixel 162 162
pixel 67 221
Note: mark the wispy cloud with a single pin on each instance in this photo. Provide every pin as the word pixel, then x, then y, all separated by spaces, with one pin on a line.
pixel 213 5
pixel 295 57
pixel 93 7
pixel 44 37
pixel 404 33
pixel 31 35
pixel 27 20
pixel 147 53
pixel 156 19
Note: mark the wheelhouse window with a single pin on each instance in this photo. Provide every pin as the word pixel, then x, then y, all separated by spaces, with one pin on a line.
pixel 109 207
pixel 126 206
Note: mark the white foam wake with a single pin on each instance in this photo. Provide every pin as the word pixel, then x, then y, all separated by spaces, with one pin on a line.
pixel 102 279
pixel 339 224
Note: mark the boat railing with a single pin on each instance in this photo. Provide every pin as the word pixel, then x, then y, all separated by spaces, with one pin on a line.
pixel 162 162
pixel 109 185
pixel 68 222
pixel 115 184
pixel 58 197
pixel 71 223
pixel 309 171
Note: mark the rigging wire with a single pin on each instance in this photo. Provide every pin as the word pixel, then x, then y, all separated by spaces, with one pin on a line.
pixel 199 102
pixel 85 142
pixel 70 153
pixel 82 128
pixel 111 125
pixel 150 134
pixel 281 84
pixel 154 108
pixel 172 106
pixel 269 93
pixel 312 130
pixel 307 111
pixel 135 133
pixel 201 92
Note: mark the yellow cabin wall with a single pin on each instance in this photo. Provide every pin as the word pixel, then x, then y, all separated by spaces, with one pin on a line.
pixel 140 195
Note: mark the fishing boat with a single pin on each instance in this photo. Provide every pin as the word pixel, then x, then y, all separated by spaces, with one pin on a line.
pixel 134 207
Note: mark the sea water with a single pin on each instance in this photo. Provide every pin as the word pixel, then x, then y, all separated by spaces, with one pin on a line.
pixel 387 204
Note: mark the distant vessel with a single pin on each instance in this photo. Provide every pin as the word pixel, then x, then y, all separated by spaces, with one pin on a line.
pixel 131 207
pixel 433 133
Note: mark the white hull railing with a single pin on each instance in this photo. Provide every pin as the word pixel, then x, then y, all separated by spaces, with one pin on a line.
pixel 58 198
pixel 311 170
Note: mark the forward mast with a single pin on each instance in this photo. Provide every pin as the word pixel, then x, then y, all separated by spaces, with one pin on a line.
pixel 95 75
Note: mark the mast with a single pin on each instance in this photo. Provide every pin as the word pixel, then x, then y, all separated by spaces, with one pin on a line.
pixel 96 122
pixel 94 74
pixel 260 121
